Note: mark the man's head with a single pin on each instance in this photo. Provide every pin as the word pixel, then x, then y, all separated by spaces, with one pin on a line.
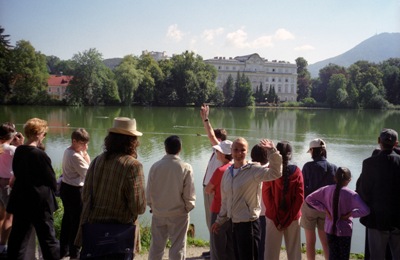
pixel 173 144
pixel 80 139
pixel 388 138
pixel 221 134
pixel 259 154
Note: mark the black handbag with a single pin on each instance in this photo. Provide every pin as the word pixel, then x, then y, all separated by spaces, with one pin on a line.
pixel 102 239
pixel 105 239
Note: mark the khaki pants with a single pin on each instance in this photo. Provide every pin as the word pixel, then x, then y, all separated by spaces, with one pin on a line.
pixel 172 228
pixel 208 198
pixel 273 241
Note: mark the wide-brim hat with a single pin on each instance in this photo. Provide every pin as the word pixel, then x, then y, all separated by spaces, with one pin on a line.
pixel 224 147
pixel 317 143
pixel 125 126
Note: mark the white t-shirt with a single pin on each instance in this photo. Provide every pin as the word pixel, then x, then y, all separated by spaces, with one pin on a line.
pixel 213 164
pixel 74 168
pixel 6 159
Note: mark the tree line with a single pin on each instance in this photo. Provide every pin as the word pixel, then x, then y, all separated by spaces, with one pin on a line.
pixel 185 79
pixel 361 85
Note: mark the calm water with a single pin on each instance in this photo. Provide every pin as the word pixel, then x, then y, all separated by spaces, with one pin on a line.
pixel 350 135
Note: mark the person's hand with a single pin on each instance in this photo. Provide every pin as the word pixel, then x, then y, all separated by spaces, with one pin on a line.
pixel 204 111
pixel 18 139
pixel 346 216
pixel 328 215
pixel 267 143
pixel 215 228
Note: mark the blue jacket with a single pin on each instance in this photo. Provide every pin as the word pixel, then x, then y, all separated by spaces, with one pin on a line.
pixel 318 173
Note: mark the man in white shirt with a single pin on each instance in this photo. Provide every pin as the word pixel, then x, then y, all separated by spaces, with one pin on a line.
pixel 215 136
pixel 171 196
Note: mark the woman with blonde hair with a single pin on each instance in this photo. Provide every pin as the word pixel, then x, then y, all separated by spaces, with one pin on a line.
pixel 32 199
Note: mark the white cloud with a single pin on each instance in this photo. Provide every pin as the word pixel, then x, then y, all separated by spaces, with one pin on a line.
pixel 240 40
pixel 283 35
pixel 263 42
pixel 209 35
pixel 237 39
pixel 174 33
pixel 305 47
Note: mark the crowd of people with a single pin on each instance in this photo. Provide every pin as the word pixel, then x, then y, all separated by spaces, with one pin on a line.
pixel 251 206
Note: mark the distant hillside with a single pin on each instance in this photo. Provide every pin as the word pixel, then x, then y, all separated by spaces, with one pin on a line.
pixel 112 63
pixel 375 49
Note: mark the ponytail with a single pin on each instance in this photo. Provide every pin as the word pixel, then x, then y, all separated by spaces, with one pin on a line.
pixel 342 175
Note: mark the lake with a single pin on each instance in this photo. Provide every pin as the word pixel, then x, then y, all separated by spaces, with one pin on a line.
pixel 351 136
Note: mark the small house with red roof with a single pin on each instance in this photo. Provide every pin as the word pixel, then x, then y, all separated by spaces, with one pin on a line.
pixel 57 85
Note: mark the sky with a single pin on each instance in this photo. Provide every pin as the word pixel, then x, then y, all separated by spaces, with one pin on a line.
pixel 277 30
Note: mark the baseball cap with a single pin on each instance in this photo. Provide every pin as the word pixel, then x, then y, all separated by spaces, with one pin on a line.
pixel 317 143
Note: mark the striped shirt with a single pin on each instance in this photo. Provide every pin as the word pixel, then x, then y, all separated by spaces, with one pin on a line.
pixel 118 190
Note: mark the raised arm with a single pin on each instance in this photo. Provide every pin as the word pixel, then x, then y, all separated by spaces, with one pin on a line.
pixel 204 112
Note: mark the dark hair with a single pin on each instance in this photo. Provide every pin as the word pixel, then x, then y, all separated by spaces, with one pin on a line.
pixel 80 135
pixel 342 175
pixel 120 144
pixel 220 133
pixel 285 149
pixel 228 157
pixel 173 144
pixel 259 154
pixel 7 131
pixel 319 152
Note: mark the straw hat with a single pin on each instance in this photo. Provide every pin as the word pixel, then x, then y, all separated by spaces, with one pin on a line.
pixel 124 126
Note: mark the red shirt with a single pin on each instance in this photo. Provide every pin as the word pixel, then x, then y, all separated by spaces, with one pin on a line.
pixel 216 181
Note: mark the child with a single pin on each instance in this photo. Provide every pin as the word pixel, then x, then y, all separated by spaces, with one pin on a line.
pixel 341 205
pixel 260 155
pixel 76 162
pixel 283 199
pixel 221 243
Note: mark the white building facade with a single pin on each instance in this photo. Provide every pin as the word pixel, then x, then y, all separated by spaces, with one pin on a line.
pixel 278 74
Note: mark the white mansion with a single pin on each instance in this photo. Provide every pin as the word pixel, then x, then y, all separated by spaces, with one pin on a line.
pixel 278 74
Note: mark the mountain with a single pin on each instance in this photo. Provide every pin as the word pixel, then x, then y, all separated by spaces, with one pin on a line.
pixel 112 63
pixel 378 48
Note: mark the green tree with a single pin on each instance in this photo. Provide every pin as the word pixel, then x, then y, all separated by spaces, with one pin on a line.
pixel 29 75
pixel 259 95
pixel 391 79
pixel 243 93
pixel 272 97
pixel 5 66
pixel 228 90
pixel 144 94
pixel 153 77
pixel 67 67
pixel 52 64
pixel 92 82
pixel 371 98
pixel 164 92
pixel 128 78
pixel 303 79
pixel 320 86
pixel 192 79
pixel 336 92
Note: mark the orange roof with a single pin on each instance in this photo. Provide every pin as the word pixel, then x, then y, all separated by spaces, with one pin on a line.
pixel 56 80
